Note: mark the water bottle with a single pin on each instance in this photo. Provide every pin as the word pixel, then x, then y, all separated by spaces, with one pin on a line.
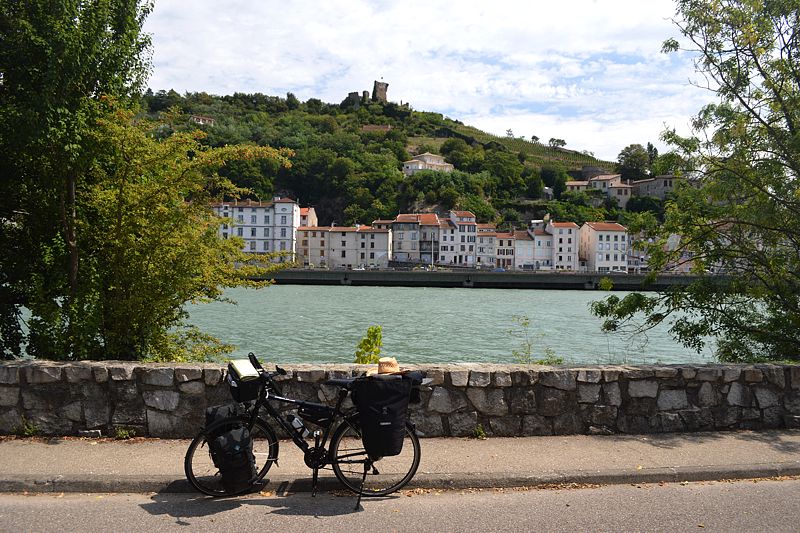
pixel 298 425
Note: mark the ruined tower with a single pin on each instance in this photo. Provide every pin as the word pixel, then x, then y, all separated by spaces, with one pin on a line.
pixel 379 91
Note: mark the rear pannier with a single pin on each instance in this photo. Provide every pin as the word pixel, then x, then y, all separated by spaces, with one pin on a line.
pixel 382 402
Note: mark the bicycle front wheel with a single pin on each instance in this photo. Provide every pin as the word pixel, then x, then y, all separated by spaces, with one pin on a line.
pixel 385 475
pixel 205 476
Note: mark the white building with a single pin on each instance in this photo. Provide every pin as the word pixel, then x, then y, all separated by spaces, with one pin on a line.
pixel 426 161
pixel 604 246
pixel 485 254
pixel 265 227
pixel 344 247
pixel 524 247
pixel 565 245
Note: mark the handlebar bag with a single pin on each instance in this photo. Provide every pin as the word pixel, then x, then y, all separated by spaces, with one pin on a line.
pixel 243 380
pixel 382 402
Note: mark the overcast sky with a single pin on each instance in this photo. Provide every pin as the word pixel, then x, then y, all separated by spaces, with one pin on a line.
pixel 589 72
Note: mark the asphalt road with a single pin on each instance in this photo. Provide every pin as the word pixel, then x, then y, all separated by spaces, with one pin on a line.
pixel 763 505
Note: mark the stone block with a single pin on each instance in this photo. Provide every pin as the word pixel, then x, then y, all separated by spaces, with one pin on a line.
pixel 188 374
pixel 462 424
pixel 101 374
pixel 671 422
pixel 666 372
pixel 310 376
pixel 588 392
pixel 44 398
pixel 536 425
pixel 192 388
pixel 129 415
pixel 9 420
pixel 739 395
pixel 634 424
pixel 488 402
pixel 9 375
pixel 163 400
pixel 646 388
pixel 523 401
pixel 772 417
pixel 479 378
pixel 429 425
pixel 436 377
pixel 459 378
pixel 519 378
pixel 612 394
pixel 444 400
pixel 672 400
pixel 775 375
pixel 688 373
pixel 791 421
pixel 72 411
pixel 794 373
pixel 567 424
pixel 766 397
pixel 725 416
pixel 640 406
pixel 707 396
pixel 731 374
pixel 611 375
pixel 750 413
pixel 553 402
pixel 565 380
pixel 9 396
pixel 161 424
pixel 590 376
pixel 161 377
pixel 603 415
pixel 505 426
pixel 697 419
pixel 49 422
pixel 96 415
pixel 753 375
pixel 708 374
pixel 36 374
pixel 121 372
pixel 502 378
pixel 212 376
pixel 792 403
pixel 78 372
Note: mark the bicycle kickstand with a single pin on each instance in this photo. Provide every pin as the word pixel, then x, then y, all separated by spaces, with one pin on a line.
pixel 314 478
pixel 361 488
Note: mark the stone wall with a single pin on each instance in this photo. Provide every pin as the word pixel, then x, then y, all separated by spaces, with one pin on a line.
pixel 169 400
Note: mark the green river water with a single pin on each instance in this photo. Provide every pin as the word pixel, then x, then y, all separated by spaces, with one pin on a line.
pixel 323 324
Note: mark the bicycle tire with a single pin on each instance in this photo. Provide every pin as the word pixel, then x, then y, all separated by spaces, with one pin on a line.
pixel 388 475
pixel 200 469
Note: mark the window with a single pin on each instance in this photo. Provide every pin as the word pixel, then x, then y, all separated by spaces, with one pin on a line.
pixel 224 235
pixel 372 245
pixel 322 253
pixel 322 242
pixel 344 243
pixel 252 232
pixel 283 232
pixel 266 246
pixel 253 219
pixel 344 253
pixel 363 245
pixel 252 246
pixel 266 219
pixel 362 255
pixel 224 226
pixel 283 245
pixel 241 209
pixel 372 255
pixel 283 219
pixel 616 238
pixel 400 236
pixel 463 239
pixel 240 219
pixel 240 232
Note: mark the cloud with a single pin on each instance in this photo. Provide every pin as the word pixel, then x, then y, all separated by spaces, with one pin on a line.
pixel 589 72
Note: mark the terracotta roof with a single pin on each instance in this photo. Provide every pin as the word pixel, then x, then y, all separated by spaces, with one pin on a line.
pixel 303 211
pixel 577 182
pixel 621 186
pixel 521 235
pixel 427 219
pixel 487 227
pixel 606 226
pixel 564 225
pixel 464 214
pixel 284 201
pixel 382 221
pixel 605 177
pixel 343 229
pixel 541 232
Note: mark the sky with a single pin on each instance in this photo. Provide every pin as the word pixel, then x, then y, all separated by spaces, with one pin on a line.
pixel 588 72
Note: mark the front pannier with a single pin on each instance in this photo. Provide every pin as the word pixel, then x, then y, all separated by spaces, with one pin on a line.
pixel 232 452
pixel 243 380
pixel 382 402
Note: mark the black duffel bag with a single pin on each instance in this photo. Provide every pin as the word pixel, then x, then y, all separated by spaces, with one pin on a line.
pixel 382 402
pixel 232 452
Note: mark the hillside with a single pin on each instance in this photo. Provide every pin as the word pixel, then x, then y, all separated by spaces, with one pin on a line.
pixel 348 158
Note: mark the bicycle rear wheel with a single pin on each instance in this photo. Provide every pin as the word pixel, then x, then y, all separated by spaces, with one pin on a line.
pixel 385 475
pixel 199 466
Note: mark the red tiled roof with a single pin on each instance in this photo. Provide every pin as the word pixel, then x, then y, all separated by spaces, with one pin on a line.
pixel 606 226
pixel 522 235
pixel 464 214
pixel 605 177
pixel 541 232
pixel 564 225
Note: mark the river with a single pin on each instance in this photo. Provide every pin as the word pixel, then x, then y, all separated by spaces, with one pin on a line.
pixel 323 324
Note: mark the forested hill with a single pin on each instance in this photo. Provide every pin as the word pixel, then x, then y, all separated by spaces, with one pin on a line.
pixel 347 163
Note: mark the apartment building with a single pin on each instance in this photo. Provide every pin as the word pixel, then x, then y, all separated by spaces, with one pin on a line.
pixel 524 247
pixel 265 227
pixel 344 247
pixel 505 248
pixel 485 245
pixel 466 233
pixel 565 244
pixel 308 217
pixel 426 161
pixel 659 186
pixel 604 246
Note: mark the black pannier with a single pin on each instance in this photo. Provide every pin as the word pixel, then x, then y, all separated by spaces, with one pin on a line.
pixel 243 388
pixel 232 452
pixel 218 412
pixel 382 402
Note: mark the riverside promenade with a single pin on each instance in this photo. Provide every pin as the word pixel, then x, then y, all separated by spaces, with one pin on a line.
pixel 156 465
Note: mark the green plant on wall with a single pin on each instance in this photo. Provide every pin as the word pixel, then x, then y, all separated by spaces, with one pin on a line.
pixel 368 350
pixel 525 353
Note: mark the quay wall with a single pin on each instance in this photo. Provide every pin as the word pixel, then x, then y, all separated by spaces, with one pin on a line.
pixel 168 401
pixel 470 278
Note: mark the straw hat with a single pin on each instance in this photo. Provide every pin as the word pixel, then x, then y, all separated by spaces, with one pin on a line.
pixel 386 365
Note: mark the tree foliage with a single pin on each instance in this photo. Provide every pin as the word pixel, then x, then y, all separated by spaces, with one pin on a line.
pixel 743 218
pixel 633 162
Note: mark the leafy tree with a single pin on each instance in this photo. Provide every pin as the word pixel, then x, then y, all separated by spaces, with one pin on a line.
pixel 556 143
pixel 640 204
pixel 743 218
pixel 633 162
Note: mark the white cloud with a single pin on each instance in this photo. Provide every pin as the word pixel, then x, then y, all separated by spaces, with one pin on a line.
pixel 587 71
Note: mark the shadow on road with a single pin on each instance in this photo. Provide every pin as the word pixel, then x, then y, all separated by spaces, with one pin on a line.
pixel 782 440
